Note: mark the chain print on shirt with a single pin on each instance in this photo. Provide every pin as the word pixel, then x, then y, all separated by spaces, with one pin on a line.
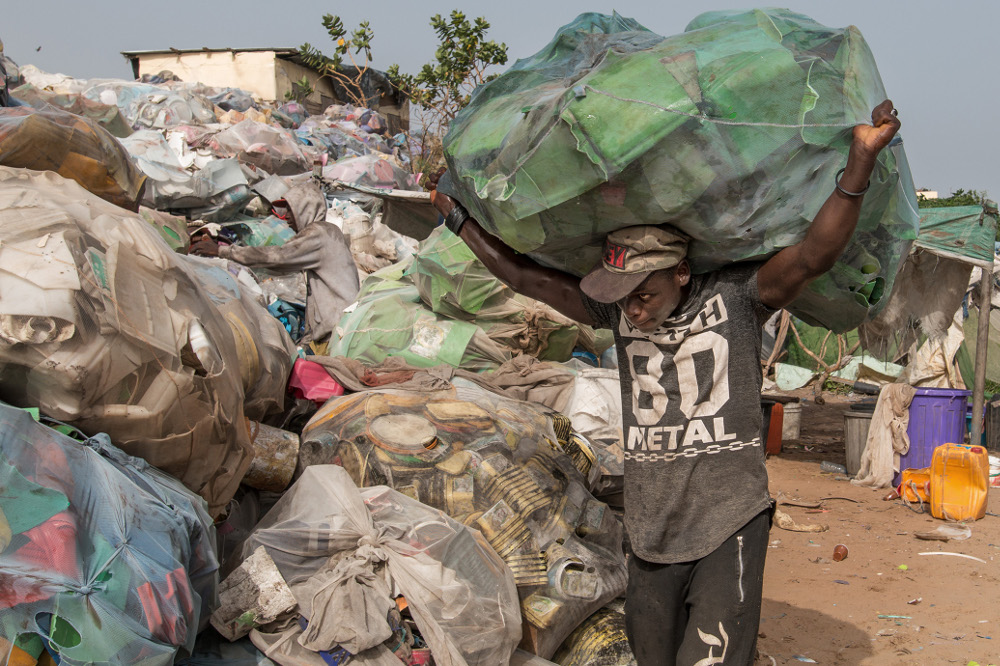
pixel 701 398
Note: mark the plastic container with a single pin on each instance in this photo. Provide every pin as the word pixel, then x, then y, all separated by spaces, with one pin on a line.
pixel 960 482
pixel 856 424
pixel 791 421
pixel 937 416
pixel 915 486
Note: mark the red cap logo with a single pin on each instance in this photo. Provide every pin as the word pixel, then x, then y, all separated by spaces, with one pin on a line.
pixel 614 255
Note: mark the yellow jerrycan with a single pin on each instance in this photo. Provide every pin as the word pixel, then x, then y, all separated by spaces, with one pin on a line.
pixel 960 476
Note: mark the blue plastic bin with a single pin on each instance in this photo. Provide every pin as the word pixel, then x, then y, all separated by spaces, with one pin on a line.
pixel 937 416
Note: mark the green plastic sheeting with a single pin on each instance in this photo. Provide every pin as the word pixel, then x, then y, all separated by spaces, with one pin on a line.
pixel 732 132
pixel 966 233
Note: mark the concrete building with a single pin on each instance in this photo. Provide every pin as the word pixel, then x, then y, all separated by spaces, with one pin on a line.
pixel 270 73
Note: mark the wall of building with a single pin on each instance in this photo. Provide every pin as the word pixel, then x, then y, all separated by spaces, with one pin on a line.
pixel 287 72
pixel 253 71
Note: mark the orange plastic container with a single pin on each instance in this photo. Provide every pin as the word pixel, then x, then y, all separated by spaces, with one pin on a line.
pixel 960 477
pixel 915 485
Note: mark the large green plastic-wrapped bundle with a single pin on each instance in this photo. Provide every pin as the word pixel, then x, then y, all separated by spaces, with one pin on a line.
pixel 389 319
pixel 731 131
pixel 454 283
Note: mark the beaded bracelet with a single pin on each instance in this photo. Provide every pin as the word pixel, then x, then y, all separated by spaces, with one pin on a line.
pixel 836 181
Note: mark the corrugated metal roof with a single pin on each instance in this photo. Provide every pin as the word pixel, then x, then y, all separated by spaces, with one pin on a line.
pixel 205 49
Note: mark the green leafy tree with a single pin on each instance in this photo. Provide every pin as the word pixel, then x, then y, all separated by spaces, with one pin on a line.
pixel 958 198
pixel 439 91
pixel 436 93
pixel 346 46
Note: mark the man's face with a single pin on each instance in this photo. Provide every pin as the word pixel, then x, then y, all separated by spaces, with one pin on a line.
pixel 653 301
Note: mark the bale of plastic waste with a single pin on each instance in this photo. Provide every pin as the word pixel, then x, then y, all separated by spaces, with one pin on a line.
pixel 498 465
pixel 107 116
pixel 455 284
pixel 214 192
pixel 103 559
pixel 74 147
pixel 103 325
pixel 343 551
pixel 272 149
pixel 389 319
pixel 732 131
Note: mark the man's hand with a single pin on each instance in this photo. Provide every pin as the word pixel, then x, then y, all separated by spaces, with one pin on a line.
pixel 441 201
pixel 205 248
pixel 869 140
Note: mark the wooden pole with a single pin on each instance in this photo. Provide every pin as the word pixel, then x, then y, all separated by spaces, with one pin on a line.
pixel 982 342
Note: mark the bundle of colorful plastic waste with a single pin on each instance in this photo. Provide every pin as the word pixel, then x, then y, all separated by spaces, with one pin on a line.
pixel 443 306
pixel 389 319
pixel 737 145
pixel 371 170
pixel 514 470
pixel 373 244
pixel 74 147
pixel 259 232
pixel 290 115
pixel 348 556
pixel 103 559
pixel 155 107
pixel 107 116
pixel 272 149
pixel 108 328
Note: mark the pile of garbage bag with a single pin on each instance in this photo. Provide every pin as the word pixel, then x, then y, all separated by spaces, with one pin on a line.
pixel 103 559
pixel 497 465
pixel 737 146
pixel 109 329
pixel 348 555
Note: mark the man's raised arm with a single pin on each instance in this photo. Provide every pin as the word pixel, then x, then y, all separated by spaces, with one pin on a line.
pixel 559 290
pixel 782 278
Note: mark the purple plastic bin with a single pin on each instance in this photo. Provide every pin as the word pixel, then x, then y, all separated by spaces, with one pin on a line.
pixel 937 416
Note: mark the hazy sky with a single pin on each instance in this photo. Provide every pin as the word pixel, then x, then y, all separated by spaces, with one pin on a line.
pixel 938 60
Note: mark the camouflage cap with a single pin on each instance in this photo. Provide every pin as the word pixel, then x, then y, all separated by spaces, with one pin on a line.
pixel 630 256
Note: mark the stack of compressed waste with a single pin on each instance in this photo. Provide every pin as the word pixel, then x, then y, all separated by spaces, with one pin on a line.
pixel 103 559
pixel 456 522
pixel 513 470
pixel 737 145
pixel 107 328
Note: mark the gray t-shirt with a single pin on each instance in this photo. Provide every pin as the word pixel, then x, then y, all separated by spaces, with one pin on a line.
pixel 694 461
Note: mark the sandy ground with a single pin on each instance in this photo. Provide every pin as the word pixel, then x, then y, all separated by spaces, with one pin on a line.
pixel 944 609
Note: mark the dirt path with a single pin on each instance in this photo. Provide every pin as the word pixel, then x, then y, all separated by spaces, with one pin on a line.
pixel 817 609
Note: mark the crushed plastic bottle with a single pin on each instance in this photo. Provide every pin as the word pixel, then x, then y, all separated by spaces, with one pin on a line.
pixel 836 468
